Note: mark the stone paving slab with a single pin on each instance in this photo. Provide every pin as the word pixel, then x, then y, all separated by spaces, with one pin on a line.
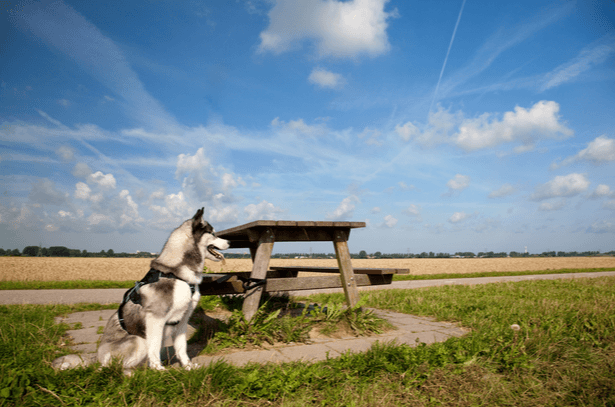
pixel 410 330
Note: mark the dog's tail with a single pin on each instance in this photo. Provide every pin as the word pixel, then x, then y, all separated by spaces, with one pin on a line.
pixel 73 361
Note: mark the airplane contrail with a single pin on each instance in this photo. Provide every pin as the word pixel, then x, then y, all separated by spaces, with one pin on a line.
pixel 447 52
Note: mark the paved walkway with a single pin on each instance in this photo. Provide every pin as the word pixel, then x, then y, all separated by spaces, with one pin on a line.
pixel 114 295
pixel 410 330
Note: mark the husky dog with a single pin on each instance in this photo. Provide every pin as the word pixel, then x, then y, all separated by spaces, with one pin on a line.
pixel 160 305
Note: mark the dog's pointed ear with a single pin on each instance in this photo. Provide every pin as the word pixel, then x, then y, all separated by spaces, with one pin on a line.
pixel 199 214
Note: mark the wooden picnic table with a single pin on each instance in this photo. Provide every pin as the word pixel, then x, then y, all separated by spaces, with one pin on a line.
pixel 260 236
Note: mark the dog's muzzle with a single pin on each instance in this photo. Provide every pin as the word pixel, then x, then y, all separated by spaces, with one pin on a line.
pixel 212 250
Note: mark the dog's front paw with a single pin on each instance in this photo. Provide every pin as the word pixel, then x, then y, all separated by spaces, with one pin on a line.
pixel 157 366
pixel 191 365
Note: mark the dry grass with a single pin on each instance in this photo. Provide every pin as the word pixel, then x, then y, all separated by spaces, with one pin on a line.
pixel 117 269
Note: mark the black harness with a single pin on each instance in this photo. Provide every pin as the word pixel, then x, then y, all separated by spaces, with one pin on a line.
pixel 133 294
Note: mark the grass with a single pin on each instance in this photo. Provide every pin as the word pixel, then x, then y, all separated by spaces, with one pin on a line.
pixel 280 321
pixel 87 284
pixel 564 354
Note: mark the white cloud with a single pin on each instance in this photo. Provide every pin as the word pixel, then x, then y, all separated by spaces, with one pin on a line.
pixel 552 206
pixel 129 219
pixel 602 227
pixel 609 204
pixel 177 205
pixel 101 223
pixel 64 102
pixel 326 79
pixel 263 210
pixel 413 210
pixel 44 191
pixel 407 131
pixel 82 191
pixel 105 181
pixel 338 29
pixel 224 214
pixel 440 124
pixel 372 136
pixel 199 175
pixel 376 209
pixel 298 127
pixel 405 187
pixel 561 186
pixel 81 170
pixel 345 210
pixel 523 125
pixel 66 153
pixel 598 151
pixel 390 221
pixel 158 194
pixel 594 54
pixel 49 118
pixel 189 163
pixel 459 217
pixel 504 190
pixel 457 184
pixel 601 192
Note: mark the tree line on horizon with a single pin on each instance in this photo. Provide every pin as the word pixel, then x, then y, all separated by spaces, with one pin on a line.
pixel 61 251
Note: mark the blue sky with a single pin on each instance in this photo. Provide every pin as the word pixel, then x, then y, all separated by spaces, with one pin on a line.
pixel 446 125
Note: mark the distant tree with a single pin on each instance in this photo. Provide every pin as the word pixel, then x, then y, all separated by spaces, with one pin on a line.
pixel 378 255
pixel 59 251
pixel 110 253
pixel 30 251
pixel 84 253
pixel 363 254
pixel 2 252
pixel 15 252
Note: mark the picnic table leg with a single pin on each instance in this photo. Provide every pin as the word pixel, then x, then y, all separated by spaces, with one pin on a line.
pixel 260 259
pixel 340 242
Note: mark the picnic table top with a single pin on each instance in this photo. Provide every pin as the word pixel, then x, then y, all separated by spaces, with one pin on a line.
pixel 246 231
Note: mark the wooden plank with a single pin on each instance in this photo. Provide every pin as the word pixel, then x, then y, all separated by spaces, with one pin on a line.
pixel 240 232
pixel 316 283
pixel 344 263
pixel 234 286
pixel 259 270
pixel 356 270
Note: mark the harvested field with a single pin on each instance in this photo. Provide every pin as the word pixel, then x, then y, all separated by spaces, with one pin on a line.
pixel 117 269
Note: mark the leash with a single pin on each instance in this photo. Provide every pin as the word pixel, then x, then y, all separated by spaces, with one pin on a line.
pixel 247 283
pixel 133 294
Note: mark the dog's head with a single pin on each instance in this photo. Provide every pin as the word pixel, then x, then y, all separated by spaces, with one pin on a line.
pixel 205 238
pixel 189 245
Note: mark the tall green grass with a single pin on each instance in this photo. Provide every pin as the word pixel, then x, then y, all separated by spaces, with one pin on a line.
pixel 564 354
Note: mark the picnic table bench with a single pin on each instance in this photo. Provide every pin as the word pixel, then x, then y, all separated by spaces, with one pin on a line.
pixel 259 237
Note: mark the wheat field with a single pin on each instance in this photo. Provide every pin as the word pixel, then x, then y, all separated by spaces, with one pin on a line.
pixel 118 269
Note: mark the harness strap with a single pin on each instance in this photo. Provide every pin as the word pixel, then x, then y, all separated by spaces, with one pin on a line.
pixel 133 294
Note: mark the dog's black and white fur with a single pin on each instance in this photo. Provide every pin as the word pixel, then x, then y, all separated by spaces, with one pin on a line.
pixel 163 307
